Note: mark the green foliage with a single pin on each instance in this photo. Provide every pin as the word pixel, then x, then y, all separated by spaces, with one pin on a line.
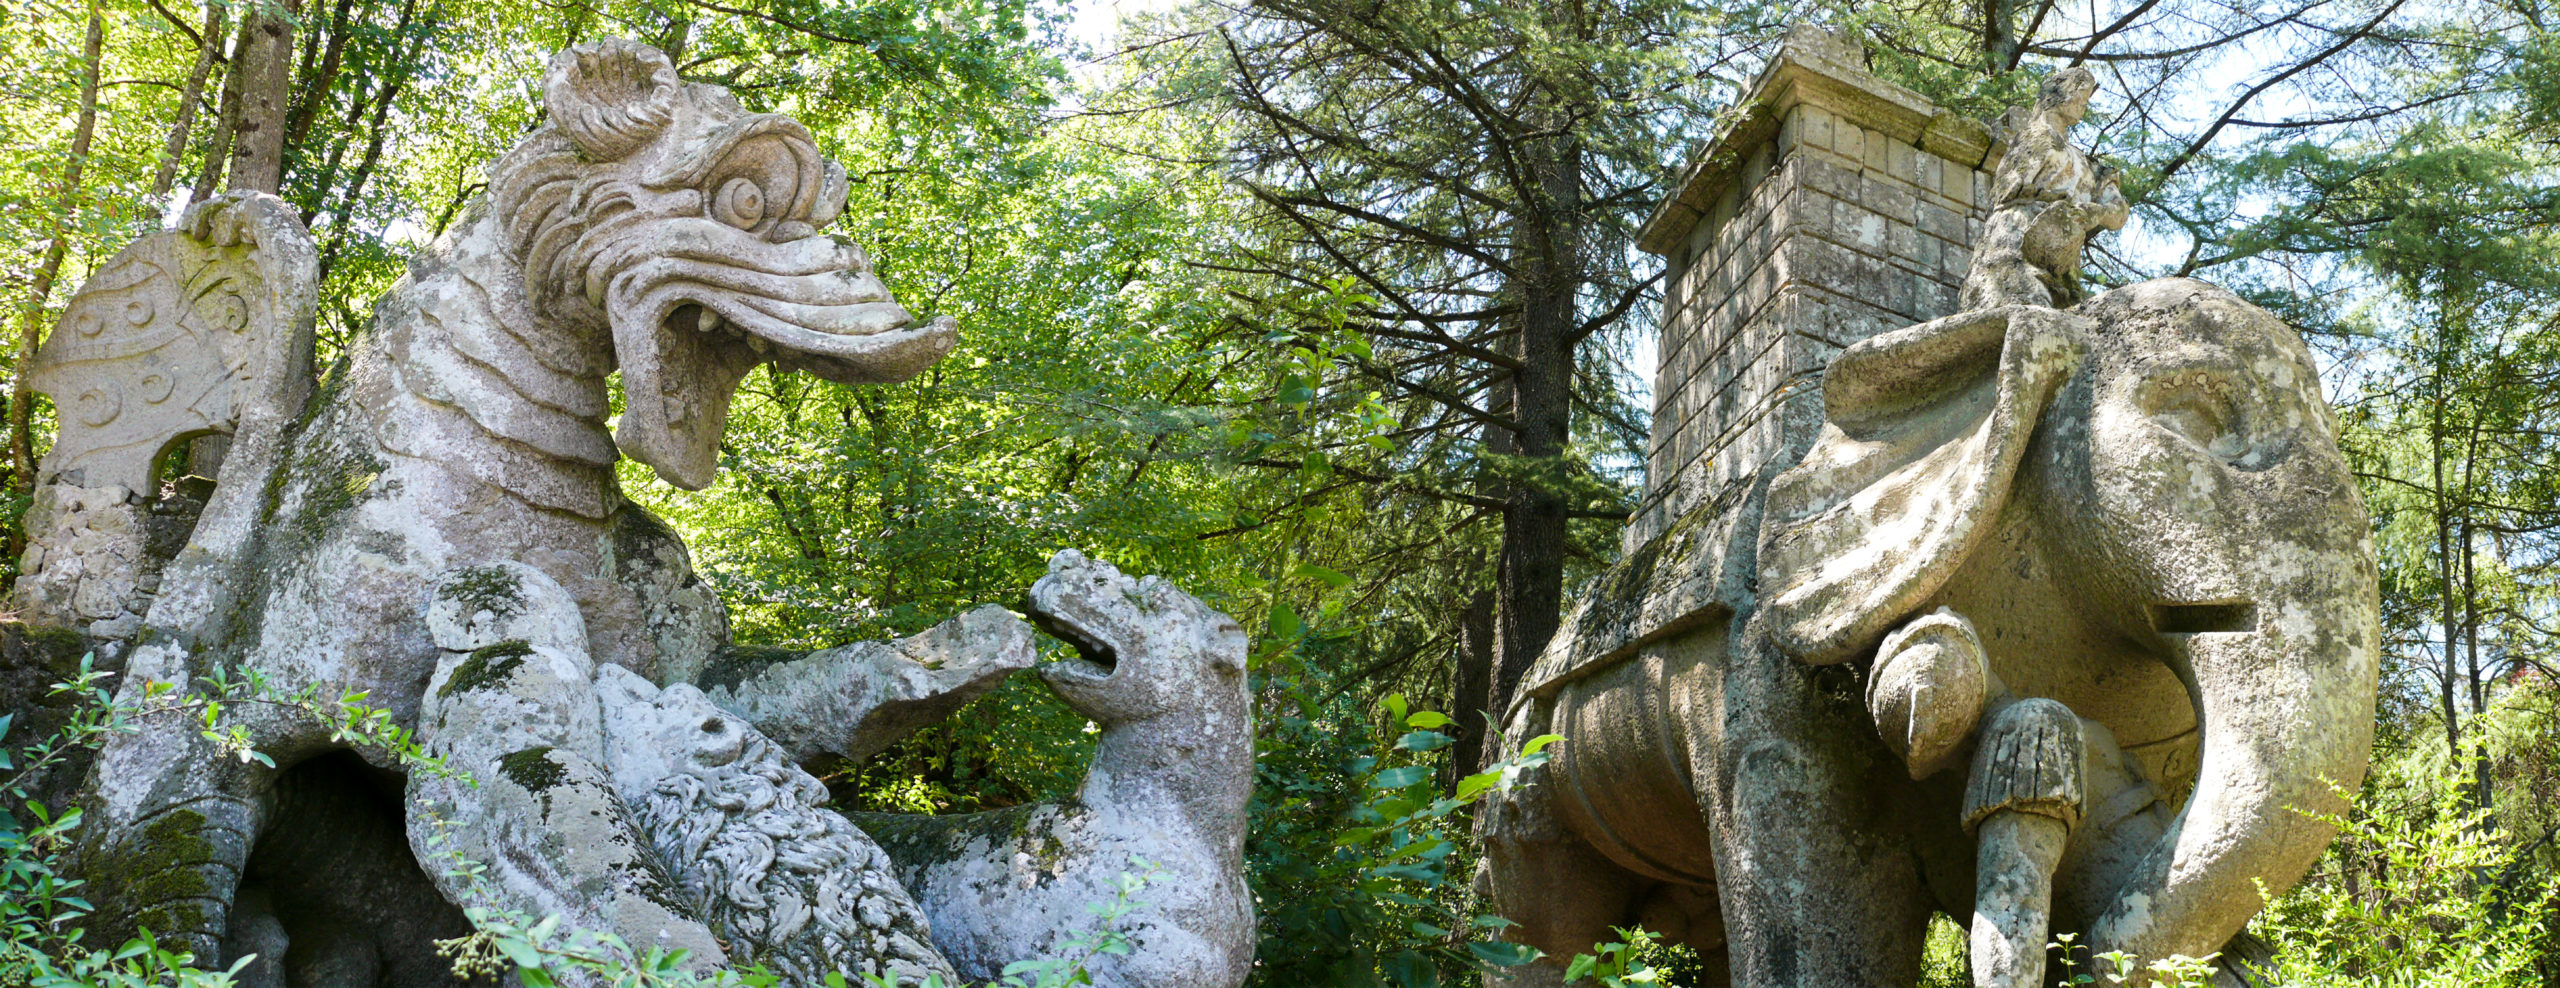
pixel 2115 967
pixel 1359 859
pixel 2420 889
pixel 1616 964
pixel 1944 960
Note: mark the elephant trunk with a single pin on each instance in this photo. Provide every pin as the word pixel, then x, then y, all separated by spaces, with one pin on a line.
pixel 2287 718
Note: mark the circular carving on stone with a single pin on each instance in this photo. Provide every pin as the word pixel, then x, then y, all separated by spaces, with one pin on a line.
pixel 156 388
pixel 233 313
pixel 137 312
pixel 87 322
pixel 740 204
pixel 99 406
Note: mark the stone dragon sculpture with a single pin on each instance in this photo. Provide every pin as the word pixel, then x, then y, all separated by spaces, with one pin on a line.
pixel 440 527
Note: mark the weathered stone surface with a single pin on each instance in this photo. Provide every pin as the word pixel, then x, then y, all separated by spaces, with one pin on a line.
pixel 1928 689
pixel 2047 197
pixel 850 702
pixel 2052 519
pixel 171 337
pixel 1838 232
pixel 662 817
pixel 741 834
pixel 442 528
pixel 512 712
pixel 1165 798
pixel 648 813
pixel 2029 761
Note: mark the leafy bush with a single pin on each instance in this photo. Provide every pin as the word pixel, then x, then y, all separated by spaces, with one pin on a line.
pixel 2416 893
pixel 1357 859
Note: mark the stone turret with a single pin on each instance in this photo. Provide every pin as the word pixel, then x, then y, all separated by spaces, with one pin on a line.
pixel 1837 206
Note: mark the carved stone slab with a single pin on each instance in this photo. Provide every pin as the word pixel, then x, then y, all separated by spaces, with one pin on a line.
pixel 171 339
pixel 163 340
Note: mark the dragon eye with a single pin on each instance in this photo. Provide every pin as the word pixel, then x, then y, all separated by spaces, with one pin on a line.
pixel 739 204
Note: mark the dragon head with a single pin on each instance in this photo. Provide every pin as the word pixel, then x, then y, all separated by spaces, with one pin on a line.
pixel 687 226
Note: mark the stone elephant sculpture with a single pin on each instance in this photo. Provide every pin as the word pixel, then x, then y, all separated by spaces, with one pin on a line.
pixel 2067 621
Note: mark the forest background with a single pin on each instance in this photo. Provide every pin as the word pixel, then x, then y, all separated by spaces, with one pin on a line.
pixel 1328 311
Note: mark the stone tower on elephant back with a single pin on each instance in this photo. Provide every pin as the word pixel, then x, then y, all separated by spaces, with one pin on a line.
pixel 1836 207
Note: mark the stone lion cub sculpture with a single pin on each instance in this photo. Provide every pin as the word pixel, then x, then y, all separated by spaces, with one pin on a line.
pixel 1163 675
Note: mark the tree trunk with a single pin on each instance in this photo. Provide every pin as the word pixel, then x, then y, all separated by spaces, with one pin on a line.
pixel 394 77
pixel 22 458
pixel 264 68
pixel 1529 594
pixel 1478 724
pixel 2444 564
pixel 226 122
pixel 165 176
pixel 2471 646
pixel 311 87
pixel 1999 36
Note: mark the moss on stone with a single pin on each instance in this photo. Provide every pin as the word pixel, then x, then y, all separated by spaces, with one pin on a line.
pixel 333 476
pixel 532 769
pixel 734 664
pixel 60 649
pixel 496 589
pixel 159 878
pixel 914 840
pixel 486 667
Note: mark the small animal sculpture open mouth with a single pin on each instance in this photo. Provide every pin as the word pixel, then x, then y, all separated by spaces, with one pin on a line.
pixel 2218 617
pixel 1090 648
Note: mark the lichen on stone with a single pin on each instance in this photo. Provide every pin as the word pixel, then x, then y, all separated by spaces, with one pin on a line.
pixel 735 664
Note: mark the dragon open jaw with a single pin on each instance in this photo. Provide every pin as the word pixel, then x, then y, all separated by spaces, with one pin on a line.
pixel 709 304
pixel 690 224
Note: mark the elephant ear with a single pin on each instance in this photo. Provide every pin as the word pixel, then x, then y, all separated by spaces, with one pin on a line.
pixel 1924 428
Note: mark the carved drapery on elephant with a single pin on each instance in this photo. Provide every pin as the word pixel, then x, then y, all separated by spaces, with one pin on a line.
pixel 442 529
pixel 2067 622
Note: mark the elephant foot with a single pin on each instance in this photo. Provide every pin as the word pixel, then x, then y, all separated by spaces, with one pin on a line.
pixel 2022 802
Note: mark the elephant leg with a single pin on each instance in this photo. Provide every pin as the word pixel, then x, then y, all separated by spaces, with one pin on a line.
pixel 1562 895
pixel 1813 836
pixel 1693 917
pixel 2022 801
pixel 2012 911
pixel 256 932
